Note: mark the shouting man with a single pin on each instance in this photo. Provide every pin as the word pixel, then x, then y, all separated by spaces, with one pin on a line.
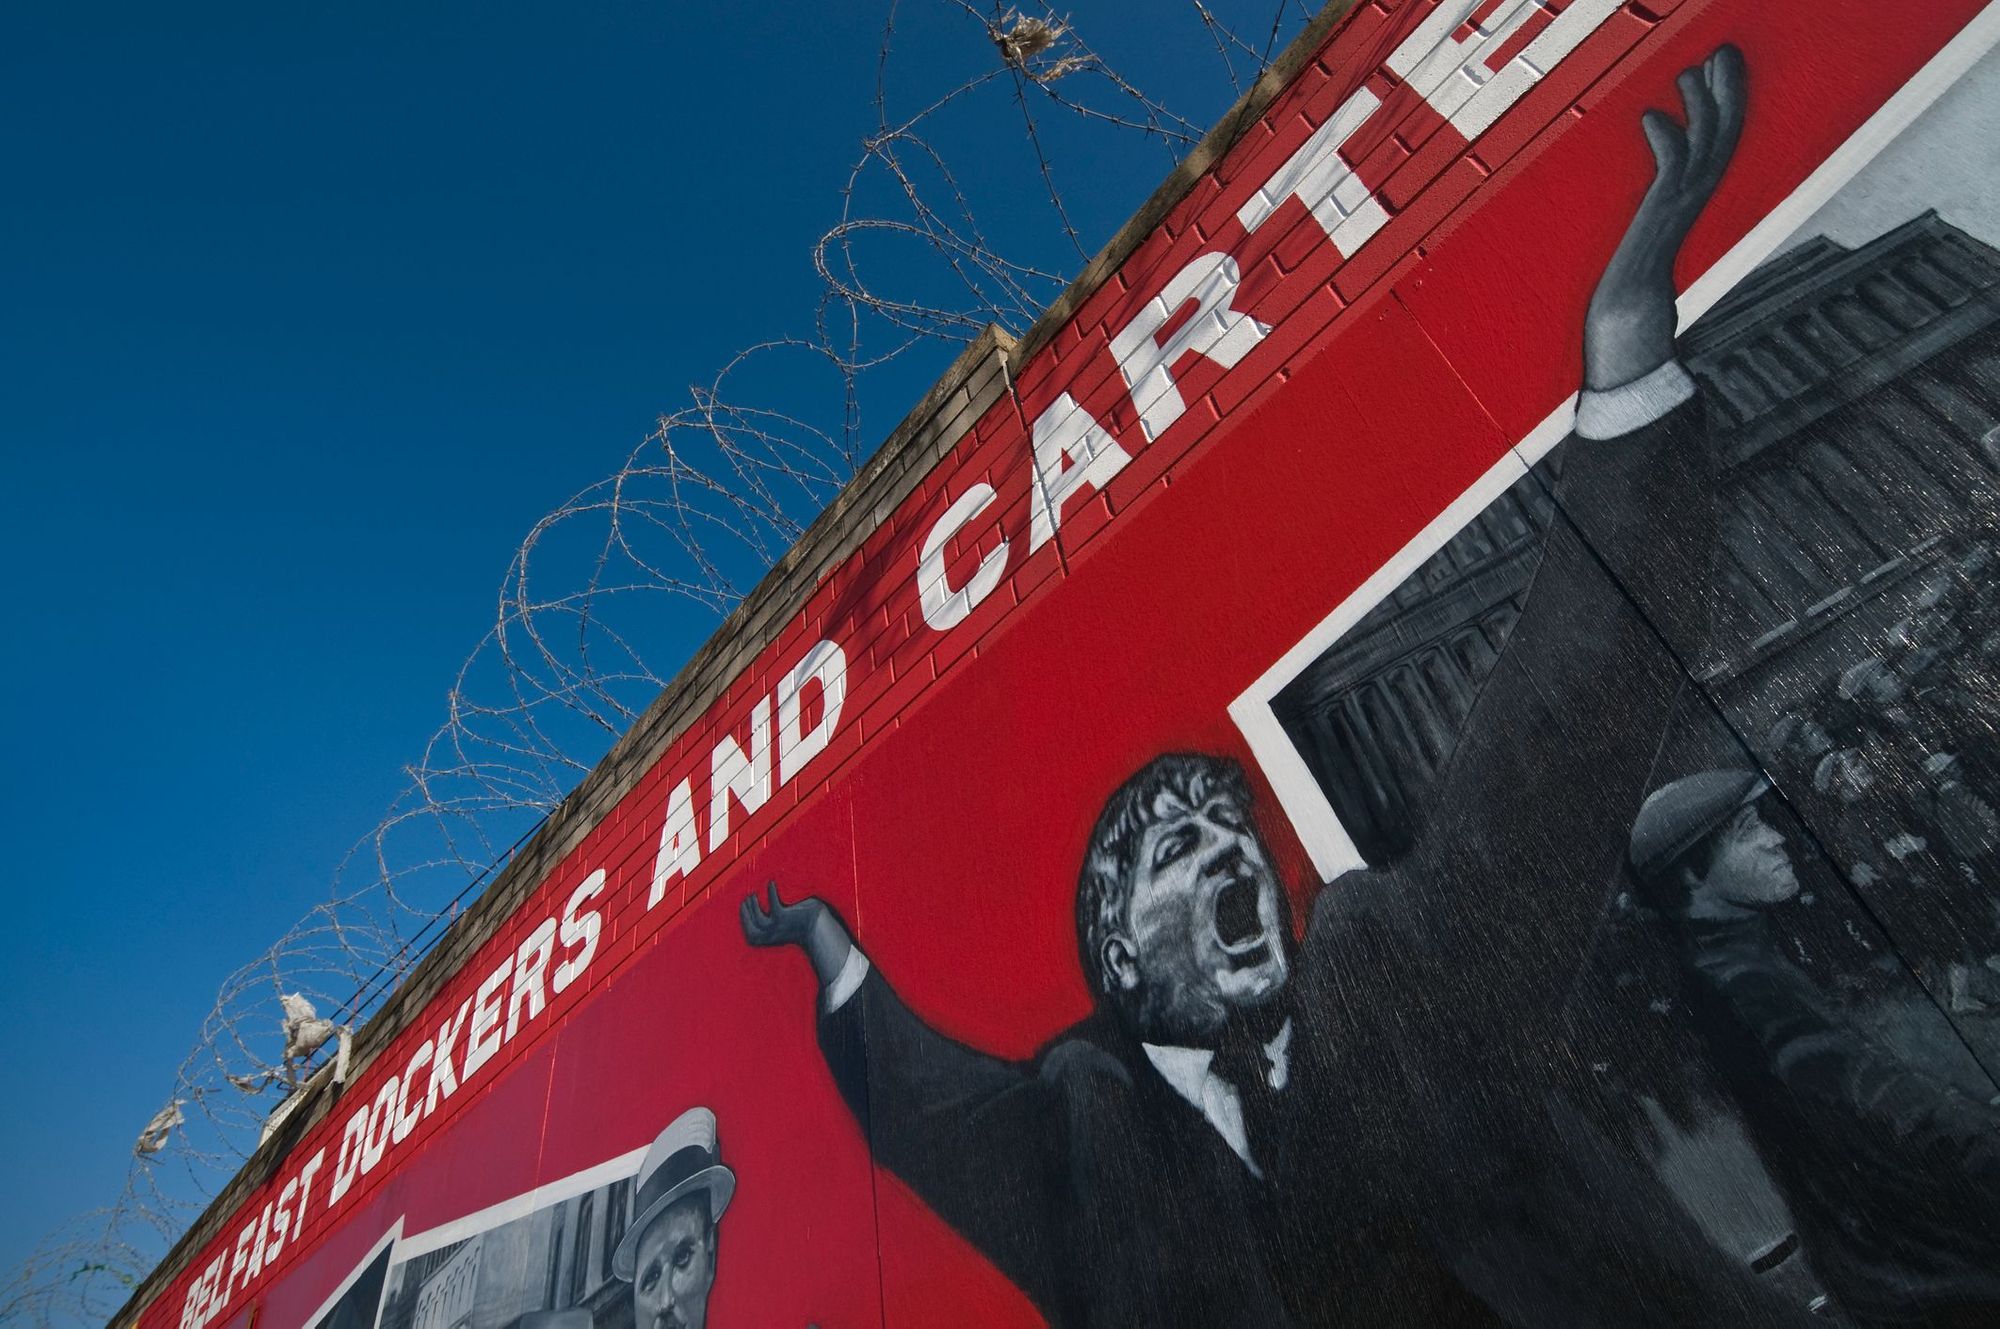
pixel 1258 1128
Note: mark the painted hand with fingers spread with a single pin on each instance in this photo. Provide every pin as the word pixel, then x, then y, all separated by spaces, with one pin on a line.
pixel 1629 331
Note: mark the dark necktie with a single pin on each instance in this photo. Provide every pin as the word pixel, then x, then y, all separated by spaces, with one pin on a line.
pixel 1244 1064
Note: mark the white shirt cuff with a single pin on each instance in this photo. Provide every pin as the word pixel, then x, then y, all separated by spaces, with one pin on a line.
pixel 1618 411
pixel 848 981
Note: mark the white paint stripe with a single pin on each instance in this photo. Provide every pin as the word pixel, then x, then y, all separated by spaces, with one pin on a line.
pixel 374 1252
pixel 1326 841
pixel 1945 68
pixel 554 1192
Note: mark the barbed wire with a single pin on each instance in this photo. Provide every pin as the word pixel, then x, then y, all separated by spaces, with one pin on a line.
pixel 612 590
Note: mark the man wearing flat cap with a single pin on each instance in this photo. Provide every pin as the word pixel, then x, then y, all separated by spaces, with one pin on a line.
pixel 1892 1174
pixel 668 1253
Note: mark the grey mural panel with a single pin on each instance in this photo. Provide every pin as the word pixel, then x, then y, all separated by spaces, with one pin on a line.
pixel 1476 1082
pixel 1758 1076
pixel 549 1267
pixel 356 1305
pixel 1850 388
pixel 1789 1013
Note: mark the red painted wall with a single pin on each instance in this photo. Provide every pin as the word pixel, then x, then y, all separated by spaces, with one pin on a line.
pixel 947 815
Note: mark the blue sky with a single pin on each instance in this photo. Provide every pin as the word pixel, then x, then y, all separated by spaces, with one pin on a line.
pixel 307 312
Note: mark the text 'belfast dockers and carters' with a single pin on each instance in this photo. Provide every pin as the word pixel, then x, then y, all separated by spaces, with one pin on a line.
pixel 1468 62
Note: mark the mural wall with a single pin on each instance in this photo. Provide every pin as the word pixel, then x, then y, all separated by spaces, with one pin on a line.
pixel 1432 762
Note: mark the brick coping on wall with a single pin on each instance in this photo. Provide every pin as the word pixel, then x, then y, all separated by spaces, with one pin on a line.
pixel 979 377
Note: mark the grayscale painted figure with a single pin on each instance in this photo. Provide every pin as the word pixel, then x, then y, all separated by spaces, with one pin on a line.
pixel 669 1253
pixel 1259 1128
pixel 1892 1173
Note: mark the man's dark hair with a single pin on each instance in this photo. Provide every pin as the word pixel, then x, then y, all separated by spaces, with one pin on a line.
pixel 1104 887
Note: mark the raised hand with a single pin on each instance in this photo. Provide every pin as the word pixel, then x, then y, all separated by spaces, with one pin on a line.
pixel 810 925
pixel 1629 330
pixel 781 923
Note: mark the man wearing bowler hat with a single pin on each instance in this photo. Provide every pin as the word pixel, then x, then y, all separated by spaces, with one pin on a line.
pixel 668 1254
pixel 1892 1174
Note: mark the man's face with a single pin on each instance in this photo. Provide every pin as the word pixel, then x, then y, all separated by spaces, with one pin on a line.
pixel 1207 925
pixel 1751 865
pixel 674 1267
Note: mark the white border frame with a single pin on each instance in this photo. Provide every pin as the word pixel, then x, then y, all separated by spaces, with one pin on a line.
pixel 520 1206
pixel 383 1243
pixel 473 1224
pixel 1319 828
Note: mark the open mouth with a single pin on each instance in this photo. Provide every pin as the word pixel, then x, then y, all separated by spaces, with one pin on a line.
pixel 1238 924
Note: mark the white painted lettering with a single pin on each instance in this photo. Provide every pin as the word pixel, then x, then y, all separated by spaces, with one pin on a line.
pixel 348 1167
pixel 1319 177
pixel 483 1039
pixel 406 1116
pixel 281 1221
pixel 1455 74
pixel 680 844
pixel 944 607
pixel 531 965
pixel 1216 332
pixel 825 664
pixel 306 1175
pixel 443 1082
pixel 1071 451
pixel 579 929
pixel 239 1262
pixel 745 775
pixel 381 1116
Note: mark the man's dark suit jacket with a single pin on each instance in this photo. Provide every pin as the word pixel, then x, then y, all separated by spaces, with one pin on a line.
pixel 1892 1173
pixel 1083 1176
pixel 1419 1181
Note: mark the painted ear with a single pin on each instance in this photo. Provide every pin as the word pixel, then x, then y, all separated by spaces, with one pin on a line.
pixel 1121 964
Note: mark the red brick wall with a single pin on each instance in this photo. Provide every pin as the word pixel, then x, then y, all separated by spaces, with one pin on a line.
pixel 946 815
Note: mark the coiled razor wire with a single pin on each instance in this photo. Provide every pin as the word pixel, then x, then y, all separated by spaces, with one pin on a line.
pixel 611 591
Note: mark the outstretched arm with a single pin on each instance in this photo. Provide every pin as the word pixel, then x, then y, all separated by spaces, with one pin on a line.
pixel 1629 329
pixel 1638 475
pixel 1530 816
pixel 979 1139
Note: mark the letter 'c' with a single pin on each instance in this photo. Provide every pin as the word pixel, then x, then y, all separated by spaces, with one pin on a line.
pixel 943 607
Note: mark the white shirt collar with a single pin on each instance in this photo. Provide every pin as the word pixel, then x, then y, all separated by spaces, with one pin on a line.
pixel 1188 1069
pixel 1191 1073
